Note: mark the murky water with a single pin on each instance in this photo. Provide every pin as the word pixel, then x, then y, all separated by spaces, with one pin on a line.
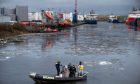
pixel 110 53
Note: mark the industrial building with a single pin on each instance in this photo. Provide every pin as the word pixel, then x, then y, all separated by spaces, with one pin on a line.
pixel 20 13
pixel 4 19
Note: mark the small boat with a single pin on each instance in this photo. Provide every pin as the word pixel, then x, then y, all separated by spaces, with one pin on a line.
pixel 44 78
pixel 113 19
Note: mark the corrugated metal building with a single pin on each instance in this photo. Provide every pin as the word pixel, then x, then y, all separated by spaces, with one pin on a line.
pixel 6 11
pixel 22 13
pixel 13 17
pixel 4 19
pixel 1 11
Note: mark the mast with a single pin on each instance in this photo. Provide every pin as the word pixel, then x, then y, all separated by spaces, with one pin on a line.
pixel 75 12
pixel 76 7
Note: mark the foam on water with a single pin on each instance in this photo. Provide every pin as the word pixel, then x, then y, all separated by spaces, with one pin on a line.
pixel 104 63
pixel 5 58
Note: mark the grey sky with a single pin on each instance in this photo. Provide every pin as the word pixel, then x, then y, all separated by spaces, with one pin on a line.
pixel 100 6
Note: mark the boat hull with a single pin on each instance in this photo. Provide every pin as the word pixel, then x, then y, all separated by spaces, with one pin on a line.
pixel 90 21
pixel 133 18
pixel 113 21
pixel 135 22
pixel 39 78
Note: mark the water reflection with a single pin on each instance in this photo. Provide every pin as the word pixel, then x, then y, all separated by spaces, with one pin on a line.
pixel 134 28
pixel 112 26
pixel 47 44
pixel 109 51
pixel 75 40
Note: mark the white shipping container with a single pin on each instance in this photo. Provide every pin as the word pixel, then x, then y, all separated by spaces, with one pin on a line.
pixel 4 19
pixel 34 16
pixel 80 17
pixel 68 16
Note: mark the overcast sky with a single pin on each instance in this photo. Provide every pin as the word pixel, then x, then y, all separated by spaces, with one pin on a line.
pixel 99 6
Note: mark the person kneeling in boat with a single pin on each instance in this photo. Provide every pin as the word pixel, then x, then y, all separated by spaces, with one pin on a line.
pixel 81 69
pixel 72 70
pixel 65 71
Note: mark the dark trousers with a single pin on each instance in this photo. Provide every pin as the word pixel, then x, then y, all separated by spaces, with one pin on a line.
pixel 58 71
pixel 72 74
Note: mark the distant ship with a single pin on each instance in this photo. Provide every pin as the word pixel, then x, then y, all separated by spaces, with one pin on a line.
pixel 133 18
pixel 113 19
pixel 91 18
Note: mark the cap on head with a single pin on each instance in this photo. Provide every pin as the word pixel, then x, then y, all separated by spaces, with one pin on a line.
pixel 58 61
pixel 80 63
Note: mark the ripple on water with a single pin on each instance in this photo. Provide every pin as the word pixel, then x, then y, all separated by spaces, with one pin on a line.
pixel 5 55
pixel 4 58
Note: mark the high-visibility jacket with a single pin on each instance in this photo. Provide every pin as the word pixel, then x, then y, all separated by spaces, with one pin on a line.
pixel 81 67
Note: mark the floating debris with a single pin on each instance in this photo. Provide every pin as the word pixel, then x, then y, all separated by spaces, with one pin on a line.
pixel 3 42
pixel 104 63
